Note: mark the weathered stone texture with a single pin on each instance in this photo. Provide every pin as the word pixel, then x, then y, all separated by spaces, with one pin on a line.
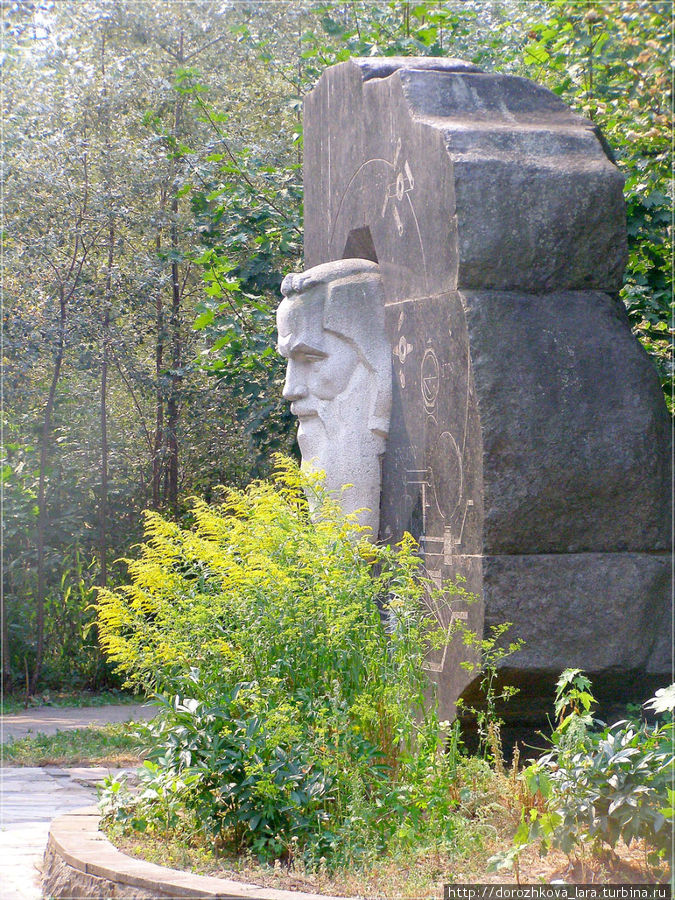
pixel 575 430
pixel 62 881
pixel 595 610
pixel 529 441
pixel 488 181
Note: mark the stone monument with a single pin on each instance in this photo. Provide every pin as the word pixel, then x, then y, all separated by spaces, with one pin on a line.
pixel 528 446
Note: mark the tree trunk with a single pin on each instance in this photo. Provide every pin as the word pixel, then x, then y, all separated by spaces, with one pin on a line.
pixel 105 351
pixel 172 406
pixel 6 684
pixel 159 395
pixel 41 497
pixel 105 344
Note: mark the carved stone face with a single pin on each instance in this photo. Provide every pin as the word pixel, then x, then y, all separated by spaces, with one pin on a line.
pixel 338 378
pixel 320 364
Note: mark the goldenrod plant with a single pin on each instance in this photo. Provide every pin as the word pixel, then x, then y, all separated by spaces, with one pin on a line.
pixel 287 653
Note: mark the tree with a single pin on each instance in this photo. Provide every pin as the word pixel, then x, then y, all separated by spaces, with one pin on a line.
pixel 88 72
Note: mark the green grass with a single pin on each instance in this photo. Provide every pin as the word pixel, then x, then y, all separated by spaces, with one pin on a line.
pixel 105 745
pixel 15 703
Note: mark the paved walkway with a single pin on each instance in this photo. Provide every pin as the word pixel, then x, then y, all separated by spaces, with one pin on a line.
pixel 31 797
pixel 50 719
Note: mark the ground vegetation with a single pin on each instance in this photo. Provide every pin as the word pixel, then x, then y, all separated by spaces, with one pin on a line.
pixel 105 745
pixel 298 729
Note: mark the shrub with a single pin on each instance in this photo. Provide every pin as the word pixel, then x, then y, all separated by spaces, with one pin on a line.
pixel 600 783
pixel 287 655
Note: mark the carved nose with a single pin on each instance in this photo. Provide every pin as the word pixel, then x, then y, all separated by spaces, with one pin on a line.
pixel 294 387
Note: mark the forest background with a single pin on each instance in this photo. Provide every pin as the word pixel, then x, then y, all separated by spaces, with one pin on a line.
pixel 152 201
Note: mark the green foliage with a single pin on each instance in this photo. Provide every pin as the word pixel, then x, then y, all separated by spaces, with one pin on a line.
pixel 192 151
pixel 246 214
pixel 387 29
pixel 573 702
pixel 490 651
pixel 248 241
pixel 73 660
pixel 600 786
pixel 297 719
pixel 607 60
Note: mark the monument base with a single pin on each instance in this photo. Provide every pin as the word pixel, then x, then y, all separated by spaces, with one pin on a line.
pixel 605 613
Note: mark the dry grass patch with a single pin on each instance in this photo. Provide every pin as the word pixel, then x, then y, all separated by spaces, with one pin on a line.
pixel 418 875
pixel 112 745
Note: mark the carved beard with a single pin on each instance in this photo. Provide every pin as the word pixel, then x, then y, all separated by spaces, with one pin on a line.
pixel 339 441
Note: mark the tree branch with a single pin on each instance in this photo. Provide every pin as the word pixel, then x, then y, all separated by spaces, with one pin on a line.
pixel 136 401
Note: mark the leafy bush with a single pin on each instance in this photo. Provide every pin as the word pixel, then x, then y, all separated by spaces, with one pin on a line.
pixel 599 786
pixel 287 655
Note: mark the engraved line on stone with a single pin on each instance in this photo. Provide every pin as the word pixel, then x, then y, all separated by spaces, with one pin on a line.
pixel 397 151
pixel 399 187
pixel 460 460
pixel 419 238
pixel 461 530
pixel 402 349
pixel 351 181
pixel 430 378
pixel 432 605
pixel 448 545
pixel 438 296
pixel 420 477
pixel 466 405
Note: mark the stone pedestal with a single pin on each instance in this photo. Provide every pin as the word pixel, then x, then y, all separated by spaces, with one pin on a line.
pixel 529 442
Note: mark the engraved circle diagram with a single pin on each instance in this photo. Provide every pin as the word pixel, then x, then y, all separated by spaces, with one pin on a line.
pixel 431 378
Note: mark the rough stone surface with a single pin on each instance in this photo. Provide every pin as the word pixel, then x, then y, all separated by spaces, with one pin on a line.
pixel 64 880
pixel 575 429
pixel 338 378
pixel 528 449
pixel 595 609
pixel 468 181
pixel 384 66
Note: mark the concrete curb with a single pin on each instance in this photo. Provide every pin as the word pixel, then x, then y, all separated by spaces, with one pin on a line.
pixel 80 862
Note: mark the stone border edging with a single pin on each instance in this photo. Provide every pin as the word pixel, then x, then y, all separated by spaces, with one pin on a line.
pixel 81 860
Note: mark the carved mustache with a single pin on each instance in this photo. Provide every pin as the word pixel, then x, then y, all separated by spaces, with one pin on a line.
pixel 303 410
